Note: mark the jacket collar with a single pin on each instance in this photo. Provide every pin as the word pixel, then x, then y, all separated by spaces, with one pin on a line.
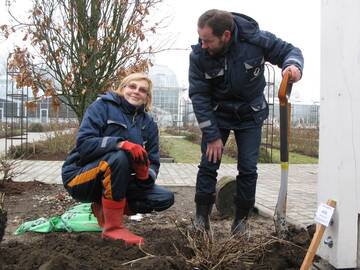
pixel 123 103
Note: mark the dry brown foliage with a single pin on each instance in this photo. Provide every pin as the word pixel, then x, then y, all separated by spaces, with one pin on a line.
pixel 77 49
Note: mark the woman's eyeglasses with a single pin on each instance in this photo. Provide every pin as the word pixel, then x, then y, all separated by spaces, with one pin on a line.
pixel 134 86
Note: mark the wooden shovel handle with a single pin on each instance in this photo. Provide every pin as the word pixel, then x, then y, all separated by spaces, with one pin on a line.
pixel 315 242
pixel 285 88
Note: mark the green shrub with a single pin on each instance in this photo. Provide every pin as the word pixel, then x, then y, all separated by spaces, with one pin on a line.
pixel 55 147
pixel 301 140
pixel 264 156
pixel 18 151
pixel 230 148
pixel 193 137
pixel 36 127
pixel 305 141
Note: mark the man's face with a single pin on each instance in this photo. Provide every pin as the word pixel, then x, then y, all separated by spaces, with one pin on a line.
pixel 213 44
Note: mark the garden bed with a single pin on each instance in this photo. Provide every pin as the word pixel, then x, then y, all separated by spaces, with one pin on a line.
pixel 169 243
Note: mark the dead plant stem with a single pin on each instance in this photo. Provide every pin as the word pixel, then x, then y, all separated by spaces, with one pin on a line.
pixel 148 256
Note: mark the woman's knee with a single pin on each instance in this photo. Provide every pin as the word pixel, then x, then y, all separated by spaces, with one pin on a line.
pixel 121 169
pixel 118 161
pixel 165 199
pixel 158 199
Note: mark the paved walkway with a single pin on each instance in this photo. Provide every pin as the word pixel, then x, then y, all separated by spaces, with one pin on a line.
pixel 301 189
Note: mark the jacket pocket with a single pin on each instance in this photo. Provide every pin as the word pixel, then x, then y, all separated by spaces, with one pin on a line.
pixel 116 129
pixel 254 67
pixel 214 73
pixel 259 110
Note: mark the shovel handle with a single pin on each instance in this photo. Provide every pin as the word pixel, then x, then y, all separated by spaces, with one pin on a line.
pixel 284 94
pixel 285 88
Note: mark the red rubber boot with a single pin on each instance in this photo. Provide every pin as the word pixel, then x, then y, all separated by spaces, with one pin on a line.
pixel 113 227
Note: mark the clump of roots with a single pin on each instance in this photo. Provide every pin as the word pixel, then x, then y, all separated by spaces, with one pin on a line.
pixel 210 252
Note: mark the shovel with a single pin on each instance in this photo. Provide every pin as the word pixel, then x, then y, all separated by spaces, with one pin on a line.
pixel 281 226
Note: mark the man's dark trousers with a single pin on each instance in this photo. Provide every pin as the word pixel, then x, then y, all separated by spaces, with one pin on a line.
pixel 248 142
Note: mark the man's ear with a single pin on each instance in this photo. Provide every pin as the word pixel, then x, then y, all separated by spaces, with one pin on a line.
pixel 227 35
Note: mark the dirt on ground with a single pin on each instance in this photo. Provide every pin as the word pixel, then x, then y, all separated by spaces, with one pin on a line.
pixel 170 243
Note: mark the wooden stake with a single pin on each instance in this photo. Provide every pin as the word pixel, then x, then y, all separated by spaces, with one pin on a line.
pixel 315 242
pixel 2 198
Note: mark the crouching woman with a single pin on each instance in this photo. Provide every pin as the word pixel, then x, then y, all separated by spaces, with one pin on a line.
pixel 116 159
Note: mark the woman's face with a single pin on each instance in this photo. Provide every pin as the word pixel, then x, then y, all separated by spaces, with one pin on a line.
pixel 135 92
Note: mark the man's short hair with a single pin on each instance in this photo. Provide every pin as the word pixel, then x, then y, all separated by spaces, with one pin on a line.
pixel 218 20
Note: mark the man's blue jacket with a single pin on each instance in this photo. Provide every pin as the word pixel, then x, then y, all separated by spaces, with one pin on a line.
pixel 227 90
pixel 107 121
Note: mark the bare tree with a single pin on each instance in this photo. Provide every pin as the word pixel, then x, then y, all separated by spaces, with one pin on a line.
pixel 80 48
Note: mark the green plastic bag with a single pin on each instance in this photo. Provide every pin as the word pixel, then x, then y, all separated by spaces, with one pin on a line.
pixel 79 218
pixel 39 225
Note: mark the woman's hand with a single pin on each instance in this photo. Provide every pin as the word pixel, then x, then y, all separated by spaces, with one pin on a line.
pixel 138 153
pixel 141 170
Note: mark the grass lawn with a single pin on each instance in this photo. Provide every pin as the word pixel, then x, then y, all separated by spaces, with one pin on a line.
pixel 294 158
pixel 184 151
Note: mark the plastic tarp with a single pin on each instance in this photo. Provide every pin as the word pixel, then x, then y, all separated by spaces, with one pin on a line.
pixel 78 218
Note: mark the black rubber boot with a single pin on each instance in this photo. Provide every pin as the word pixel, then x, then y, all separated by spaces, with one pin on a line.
pixel 239 224
pixel 204 205
pixel 242 210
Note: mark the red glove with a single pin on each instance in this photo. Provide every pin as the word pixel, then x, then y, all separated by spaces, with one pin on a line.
pixel 142 170
pixel 138 153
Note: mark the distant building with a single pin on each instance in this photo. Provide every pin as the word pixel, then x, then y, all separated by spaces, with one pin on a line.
pixel 13 106
pixel 11 100
pixel 168 97
pixel 44 112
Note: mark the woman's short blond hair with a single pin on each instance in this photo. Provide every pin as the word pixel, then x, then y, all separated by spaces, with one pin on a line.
pixel 137 77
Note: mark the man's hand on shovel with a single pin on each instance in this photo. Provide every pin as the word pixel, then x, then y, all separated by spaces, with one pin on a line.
pixel 294 71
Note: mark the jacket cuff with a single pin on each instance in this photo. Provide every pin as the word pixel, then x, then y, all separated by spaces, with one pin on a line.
pixel 210 138
pixel 110 143
pixel 152 174
pixel 295 63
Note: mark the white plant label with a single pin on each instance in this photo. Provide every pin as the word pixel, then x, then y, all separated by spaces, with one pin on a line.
pixel 323 214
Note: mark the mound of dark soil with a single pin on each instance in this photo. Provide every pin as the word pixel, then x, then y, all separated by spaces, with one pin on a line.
pixel 84 251
pixel 166 246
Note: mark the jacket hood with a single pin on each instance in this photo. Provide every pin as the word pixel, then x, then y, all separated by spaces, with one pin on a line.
pixel 122 102
pixel 245 26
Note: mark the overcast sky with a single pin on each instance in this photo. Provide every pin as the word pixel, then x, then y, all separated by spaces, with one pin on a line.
pixel 297 22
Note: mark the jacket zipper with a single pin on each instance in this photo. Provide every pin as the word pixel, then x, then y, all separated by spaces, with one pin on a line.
pixel 134 116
